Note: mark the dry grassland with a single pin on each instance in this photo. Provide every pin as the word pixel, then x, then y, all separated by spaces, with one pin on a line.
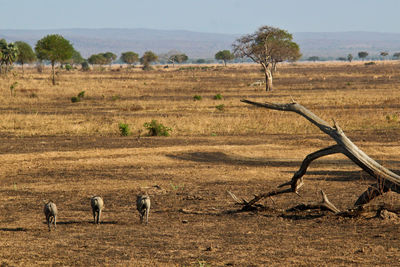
pixel 51 148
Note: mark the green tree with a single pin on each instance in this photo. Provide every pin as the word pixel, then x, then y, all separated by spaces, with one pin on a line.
pixel 362 54
pixel 224 55
pixel 313 58
pixel 147 58
pixel 178 58
pixel 9 53
pixel 129 57
pixel 97 59
pixel 267 46
pixel 54 48
pixel 384 54
pixel 350 57
pixel 110 57
pixel 77 58
pixel 25 54
pixel 396 55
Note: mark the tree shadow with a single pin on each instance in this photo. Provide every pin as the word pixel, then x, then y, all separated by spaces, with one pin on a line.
pixel 298 217
pixel 17 229
pixel 220 157
pixel 69 222
pixel 105 222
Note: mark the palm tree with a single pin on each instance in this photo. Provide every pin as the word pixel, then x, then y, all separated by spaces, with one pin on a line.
pixel 9 54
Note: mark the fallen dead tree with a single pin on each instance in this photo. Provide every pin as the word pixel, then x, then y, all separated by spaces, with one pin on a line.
pixel 385 179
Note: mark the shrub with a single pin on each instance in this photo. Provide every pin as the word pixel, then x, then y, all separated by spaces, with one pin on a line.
pixel 124 129
pixel 197 98
pixel 218 97
pixel 157 129
pixel 75 99
pixel 369 63
pixel 68 67
pixel 81 94
pixel 12 88
pixel 85 66
pixel 220 107
pixel 115 97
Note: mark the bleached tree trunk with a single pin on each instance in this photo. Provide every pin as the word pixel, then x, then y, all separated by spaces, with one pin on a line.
pixel 268 77
pixel 385 179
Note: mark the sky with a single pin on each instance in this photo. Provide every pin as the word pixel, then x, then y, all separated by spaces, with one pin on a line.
pixel 214 16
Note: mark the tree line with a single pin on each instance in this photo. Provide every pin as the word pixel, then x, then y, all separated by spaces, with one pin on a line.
pixel 267 46
pixel 362 55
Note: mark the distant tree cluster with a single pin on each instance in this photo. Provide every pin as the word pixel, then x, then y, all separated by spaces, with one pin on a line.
pixel 102 58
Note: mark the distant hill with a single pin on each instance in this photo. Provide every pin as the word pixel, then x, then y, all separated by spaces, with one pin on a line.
pixel 337 44
pixel 205 45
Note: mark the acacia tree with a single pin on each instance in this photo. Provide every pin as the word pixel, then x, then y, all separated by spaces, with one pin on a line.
pixel 129 57
pixel 76 58
pixel 97 59
pixel 313 58
pixel 9 53
pixel 224 55
pixel 25 54
pixel 147 58
pixel 384 54
pixel 54 48
pixel 362 54
pixel 110 57
pixel 178 58
pixel 350 57
pixel 267 46
pixel 396 55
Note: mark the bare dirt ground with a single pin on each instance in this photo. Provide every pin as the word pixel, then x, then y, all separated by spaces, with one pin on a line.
pixel 193 221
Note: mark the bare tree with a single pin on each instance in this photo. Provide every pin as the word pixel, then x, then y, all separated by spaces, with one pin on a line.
pixel 385 179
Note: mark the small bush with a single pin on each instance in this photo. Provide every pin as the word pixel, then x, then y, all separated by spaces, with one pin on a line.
pixel 369 63
pixel 75 99
pixel 81 94
pixel 197 98
pixel 33 95
pixel 68 67
pixel 124 129
pixel 220 107
pixel 392 117
pixel 85 66
pixel 156 129
pixel 218 97
pixel 115 97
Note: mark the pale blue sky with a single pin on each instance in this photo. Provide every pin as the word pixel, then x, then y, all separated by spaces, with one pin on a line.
pixel 219 16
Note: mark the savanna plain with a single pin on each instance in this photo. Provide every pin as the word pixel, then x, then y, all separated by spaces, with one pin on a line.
pixel 54 149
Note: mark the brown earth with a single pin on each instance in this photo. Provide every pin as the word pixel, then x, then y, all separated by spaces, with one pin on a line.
pixel 193 221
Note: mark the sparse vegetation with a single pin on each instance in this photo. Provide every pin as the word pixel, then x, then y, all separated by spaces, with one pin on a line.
pixel 52 149
pixel 75 99
pixel 220 107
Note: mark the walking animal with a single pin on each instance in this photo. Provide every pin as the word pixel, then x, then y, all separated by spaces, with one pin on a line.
pixel 143 206
pixel 97 204
pixel 50 211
